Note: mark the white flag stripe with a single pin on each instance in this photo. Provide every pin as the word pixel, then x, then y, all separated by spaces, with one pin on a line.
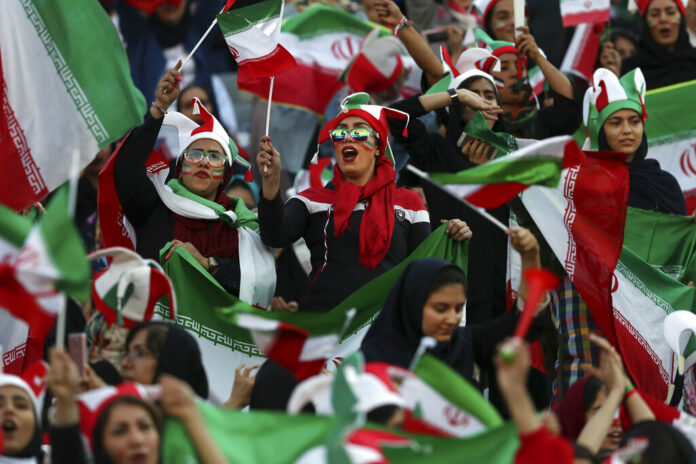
pixel 251 322
pixel 44 88
pixel 319 347
pixel 254 43
pixel 34 268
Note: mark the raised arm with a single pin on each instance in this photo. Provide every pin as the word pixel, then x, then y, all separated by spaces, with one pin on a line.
pixel 526 46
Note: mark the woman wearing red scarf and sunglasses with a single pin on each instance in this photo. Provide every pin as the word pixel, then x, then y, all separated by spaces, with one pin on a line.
pixel 360 224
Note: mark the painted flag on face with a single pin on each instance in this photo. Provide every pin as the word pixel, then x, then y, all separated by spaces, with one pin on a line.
pixel 60 95
pixel 252 31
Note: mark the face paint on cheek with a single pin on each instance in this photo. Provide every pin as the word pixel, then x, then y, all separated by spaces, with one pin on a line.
pixel 499 25
pixel 186 168
pixel 218 173
pixel 369 144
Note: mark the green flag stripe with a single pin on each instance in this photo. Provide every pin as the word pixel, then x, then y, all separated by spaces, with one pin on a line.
pixel 241 19
pixel 65 246
pixel 89 58
pixel 452 386
pixel 325 20
pixel 13 227
pixel 536 170
pixel 664 105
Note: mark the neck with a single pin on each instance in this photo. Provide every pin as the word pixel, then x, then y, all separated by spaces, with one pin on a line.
pixel 511 107
pixel 211 197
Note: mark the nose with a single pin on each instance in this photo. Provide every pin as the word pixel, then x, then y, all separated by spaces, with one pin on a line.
pixel 452 317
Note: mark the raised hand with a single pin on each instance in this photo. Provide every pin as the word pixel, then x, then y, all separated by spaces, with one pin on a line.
pixel 168 89
pixel 268 161
pixel 489 109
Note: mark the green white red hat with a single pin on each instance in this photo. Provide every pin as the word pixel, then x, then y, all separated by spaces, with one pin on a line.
pixel 189 131
pixel 471 63
pixel 496 47
pixel 378 64
pixel 128 290
pixel 358 104
pixel 607 95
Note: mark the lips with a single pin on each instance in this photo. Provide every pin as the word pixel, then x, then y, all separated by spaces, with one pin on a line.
pixel 349 153
pixel 665 31
pixel 8 426
pixel 626 142
pixel 202 175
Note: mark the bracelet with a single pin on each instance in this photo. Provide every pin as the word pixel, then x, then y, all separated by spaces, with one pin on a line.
pixel 156 106
pixel 629 393
pixel 403 22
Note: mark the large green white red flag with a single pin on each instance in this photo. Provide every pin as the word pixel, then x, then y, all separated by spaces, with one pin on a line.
pixel 38 264
pixel 672 134
pixel 212 315
pixel 574 12
pixel 323 40
pixel 252 29
pixel 651 279
pixel 495 183
pixel 65 88
pixel 583 222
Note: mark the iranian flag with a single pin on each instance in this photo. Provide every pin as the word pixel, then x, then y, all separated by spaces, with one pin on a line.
pixel 574 12
pixel 65 89
pixel 252 29
pixel 672 139
pixel 224 340
pixel 38 263
pixel 656 263
pixel 581 56
pixel 323 40
pixel 586 235
pixel 495 183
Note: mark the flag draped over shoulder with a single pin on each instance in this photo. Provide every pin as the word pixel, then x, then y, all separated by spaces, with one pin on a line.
pixel 252 29
pixel 60 95
pixel 585 234
pixel 672 139
pixel 39 262
pixel 495 183
pixel 657 261
pixel 323 40
pixel 574 12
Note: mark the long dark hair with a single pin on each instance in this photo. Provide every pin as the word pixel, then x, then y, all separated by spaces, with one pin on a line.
pixel 100 454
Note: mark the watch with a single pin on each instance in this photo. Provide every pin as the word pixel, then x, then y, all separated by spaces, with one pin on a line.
pixel 213 264
pixel 453 95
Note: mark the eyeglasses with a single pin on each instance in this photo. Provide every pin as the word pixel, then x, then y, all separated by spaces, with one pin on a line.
pixel 195 156
pixel 357 134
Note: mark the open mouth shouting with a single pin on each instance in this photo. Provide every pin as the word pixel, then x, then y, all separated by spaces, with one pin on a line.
pixel 9 427
pixel 349 153
pixel 202 174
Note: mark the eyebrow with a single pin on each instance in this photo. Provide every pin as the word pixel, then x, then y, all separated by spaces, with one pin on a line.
pixel 343 124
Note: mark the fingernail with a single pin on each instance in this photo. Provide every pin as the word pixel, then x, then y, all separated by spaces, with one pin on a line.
pixel 173 86
pixel 168 255
pixel 179 77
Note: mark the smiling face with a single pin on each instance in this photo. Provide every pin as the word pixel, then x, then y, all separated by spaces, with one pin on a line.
pixel 613 439
pixel 139 364
pixel 201 178
pixel 508 74
pixel 503 21
pixel 356 160
pixel 443 311
pixel 624 132
pixel 484 89
pixel 16 419
pixel 130 435
pixel 663 18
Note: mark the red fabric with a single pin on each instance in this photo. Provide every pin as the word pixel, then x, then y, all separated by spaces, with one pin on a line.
pixel 571 412
pixel 22 304
pixel 644 4
pixel 542 446
pixel 662 411
pixel 211 238
pixel 378 221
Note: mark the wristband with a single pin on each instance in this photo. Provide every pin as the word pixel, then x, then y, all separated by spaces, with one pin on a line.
pixel 403 22
pixel 453 95
pixel 156 106
pixel 629 393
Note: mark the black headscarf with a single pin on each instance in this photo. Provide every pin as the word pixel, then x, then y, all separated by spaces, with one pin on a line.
pixel 273 386
pixel 650 187
pixel 661 67
pixel 396 332
pixel 181 357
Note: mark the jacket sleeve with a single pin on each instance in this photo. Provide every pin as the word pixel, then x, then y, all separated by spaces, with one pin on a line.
pixel 136 193
pixel 228 274
pixel 282 224
pixel 486 337
pixel 67 446
pixel 419 232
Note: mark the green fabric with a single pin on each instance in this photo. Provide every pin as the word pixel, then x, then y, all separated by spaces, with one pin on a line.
pixel 323 19
pixel 480 34
pixel 452 386
pixel 478 128
pixel 368 299
pixel 440 86
pixel 94 57
pixel 664 106
pixel 240 19
pixel 14 227
pixel 65 247
pixel 496 446
pixel 244 217
pixel 538 170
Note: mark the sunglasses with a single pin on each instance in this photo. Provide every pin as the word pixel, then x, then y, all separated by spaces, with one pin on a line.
pixel 357 134
pixel 195 156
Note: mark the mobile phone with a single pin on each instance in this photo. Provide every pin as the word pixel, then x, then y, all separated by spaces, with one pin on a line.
pixel 435 37
pixel 77 349
pixel 465 138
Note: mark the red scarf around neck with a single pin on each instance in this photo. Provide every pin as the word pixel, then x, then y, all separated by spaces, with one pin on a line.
pixel 377 223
